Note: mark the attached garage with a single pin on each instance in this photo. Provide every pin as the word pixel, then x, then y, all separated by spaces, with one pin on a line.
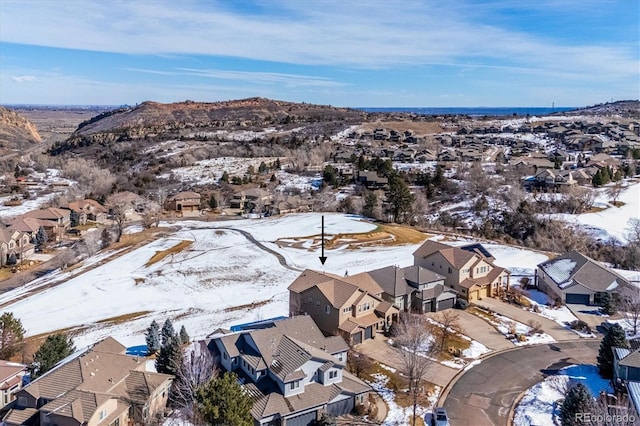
pixel 577 299
pixel 356 338
pixel 340 408
pixel 302 420
pixel 446 304
pixel 368 332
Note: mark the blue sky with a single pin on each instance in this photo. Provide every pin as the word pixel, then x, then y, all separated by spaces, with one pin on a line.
pixel 343 53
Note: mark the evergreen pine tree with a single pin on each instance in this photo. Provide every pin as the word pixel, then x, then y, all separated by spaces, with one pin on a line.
pixel 577 400
pixel 11 335
pixel 170 356
pixel 223 402
pixel 615 337
pixel 167 331
pixel 54 349
pixel 12 259
pixel 41 239
pixel 105 238
pixel 608 304
pixel 74 218
pixel 225 177
pixel 276 165
pixel 184 336
pixel 152 337
pixel 370 202
pixel 213 201
pixel 596 180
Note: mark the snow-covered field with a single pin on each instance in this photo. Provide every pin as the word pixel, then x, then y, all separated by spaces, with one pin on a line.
pixel 398 415
pixel 540 405
pixel 613 221
pixel 210 171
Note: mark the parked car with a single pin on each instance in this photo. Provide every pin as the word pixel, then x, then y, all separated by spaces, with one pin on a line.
pixel 440 417
pixel 461 304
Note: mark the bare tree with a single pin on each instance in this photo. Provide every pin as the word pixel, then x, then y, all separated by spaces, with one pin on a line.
pixel 579 199
pixel 449 324
pixel 414 344
pixel 615 190
pixel 119 218
pixel 630 305
pixel 197 369
pixel 613 410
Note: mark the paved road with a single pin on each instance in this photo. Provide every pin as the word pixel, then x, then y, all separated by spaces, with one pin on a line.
pixel 483 395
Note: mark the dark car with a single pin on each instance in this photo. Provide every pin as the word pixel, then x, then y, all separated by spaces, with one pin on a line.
pixel 439 417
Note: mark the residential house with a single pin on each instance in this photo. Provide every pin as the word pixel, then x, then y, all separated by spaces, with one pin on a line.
pixel 185 203
pixel 553 179
pixel 292 204
pixel 576 278
pixel 54 221
pixel 371 180
pixel 291 371
pixel 87 210
pixel 414 288
pixel 349 306
pixel 12 377
pixel 469 270
pixel 101 386
pixel 253 200
pixel 16 243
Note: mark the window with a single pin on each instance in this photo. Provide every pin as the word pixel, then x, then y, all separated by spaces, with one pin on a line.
pixel 327 309
pixel 310 300
pixel 294 385
pixel 145 412
pixel 346 310
pixel 449 270
pixel 225 356
pixel 317 303
pixel 116 422
pixel 103 414
pixel 333 374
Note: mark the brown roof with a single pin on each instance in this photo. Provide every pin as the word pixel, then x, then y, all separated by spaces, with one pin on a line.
pixel 348 326
pixel 27 224
pixel 87 204
pixel 337 292
pixel 631 360
pixel 184 195
pixel 366 320
pixel 21 417
pixel 50 213
pixel 9 370
pixel 365 282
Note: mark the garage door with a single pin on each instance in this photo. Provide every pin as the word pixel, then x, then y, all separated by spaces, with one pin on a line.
pixel 302 420
pixel 357 338
pixel 446 304
pixel 368 332
pixel 578 299
pixel 340 408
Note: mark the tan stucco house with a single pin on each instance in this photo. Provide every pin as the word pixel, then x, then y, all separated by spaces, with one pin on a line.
pixel 348 306
pixel 469 270
pixel 185 203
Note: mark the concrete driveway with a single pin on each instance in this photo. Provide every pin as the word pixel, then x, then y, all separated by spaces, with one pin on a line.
pixel 552 328
pixel 589 314
pixel 381 351
pixel 480 330
pixel 483 395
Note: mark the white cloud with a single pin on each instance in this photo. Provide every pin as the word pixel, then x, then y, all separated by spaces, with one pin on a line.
pixel 23 78
pixel 349 34
pixel 288 80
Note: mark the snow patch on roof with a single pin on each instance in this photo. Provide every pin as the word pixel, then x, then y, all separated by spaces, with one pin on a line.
pixel 612 286
pixel 560 270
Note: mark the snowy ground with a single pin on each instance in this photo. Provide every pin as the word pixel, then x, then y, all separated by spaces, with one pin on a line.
pixel 474 351
pixel 213 283
pixel 562 315
pixel 398 415
pixel 210 171
pixel 613 221
pixel 506 325
pixel 540 404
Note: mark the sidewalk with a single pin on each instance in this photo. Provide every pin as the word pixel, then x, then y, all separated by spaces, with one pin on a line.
pixel 552 328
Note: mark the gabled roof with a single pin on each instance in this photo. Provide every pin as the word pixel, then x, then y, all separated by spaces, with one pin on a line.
pixel 575 268
pixel 50 213
pixel 392 280
pixel 184 195
pixel 456 256
pixel 28 224
pixel 627 357
pixel 9 370
pixel 86 204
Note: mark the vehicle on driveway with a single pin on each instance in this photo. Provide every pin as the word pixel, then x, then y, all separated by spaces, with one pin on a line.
pixel 439 417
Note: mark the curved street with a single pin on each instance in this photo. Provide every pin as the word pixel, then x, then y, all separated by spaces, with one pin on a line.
pixel 483 395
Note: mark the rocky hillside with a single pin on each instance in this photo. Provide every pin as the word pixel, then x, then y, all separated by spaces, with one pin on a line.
pixel 16 132
pixel 156 121
pixel 626 109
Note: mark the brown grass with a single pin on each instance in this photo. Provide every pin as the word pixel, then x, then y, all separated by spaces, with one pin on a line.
pixel 139 237
pixel 419 127
pixel 123 318
pixel 159 255
pixel 248 306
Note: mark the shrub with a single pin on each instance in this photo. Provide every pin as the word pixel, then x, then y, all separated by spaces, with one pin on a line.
pixel 536 327
pixel 580 326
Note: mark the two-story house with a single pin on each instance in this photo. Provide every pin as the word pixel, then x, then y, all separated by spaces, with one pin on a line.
pixel 349 306
pixel 86 210
pixel 292 372
pixel 185 203
pixel 12 376
pixel 469 270
pixel 100 387
pixel 414 288
pixel 14 243
pixel 54 221
pixel 578 279
pixel 252 200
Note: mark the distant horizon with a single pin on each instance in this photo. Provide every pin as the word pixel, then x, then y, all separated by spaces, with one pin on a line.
pixel 329 52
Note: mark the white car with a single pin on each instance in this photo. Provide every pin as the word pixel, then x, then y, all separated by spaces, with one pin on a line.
pixel 439 417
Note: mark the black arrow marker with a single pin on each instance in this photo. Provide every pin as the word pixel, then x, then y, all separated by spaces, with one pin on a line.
pixel 323 258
